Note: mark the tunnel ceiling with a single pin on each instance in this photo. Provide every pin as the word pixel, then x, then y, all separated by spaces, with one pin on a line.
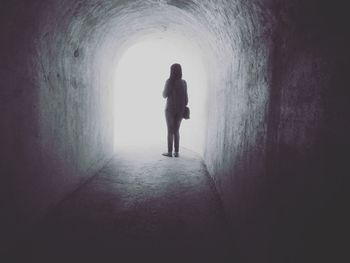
pixel 87 28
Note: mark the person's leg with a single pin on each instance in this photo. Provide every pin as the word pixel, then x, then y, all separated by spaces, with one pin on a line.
pixel 170 127
pixel 170 142
pixel 177 124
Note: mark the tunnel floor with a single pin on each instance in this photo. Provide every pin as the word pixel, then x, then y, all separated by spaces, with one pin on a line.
pixel 140 206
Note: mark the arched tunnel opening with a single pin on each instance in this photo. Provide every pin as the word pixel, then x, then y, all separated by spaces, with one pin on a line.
pixel 269 104
pixel 139 80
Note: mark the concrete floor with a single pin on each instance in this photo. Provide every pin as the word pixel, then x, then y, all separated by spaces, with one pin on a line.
pixel 141 206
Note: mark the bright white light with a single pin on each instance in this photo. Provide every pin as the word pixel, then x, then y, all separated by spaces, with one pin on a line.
pixel 139 81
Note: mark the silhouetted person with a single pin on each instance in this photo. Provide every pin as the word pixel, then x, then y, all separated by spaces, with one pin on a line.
pixel 175 91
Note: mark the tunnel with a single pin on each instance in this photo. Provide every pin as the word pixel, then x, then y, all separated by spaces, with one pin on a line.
pixel 271 129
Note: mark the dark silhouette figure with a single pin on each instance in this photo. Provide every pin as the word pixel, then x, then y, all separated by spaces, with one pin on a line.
pixel 175 91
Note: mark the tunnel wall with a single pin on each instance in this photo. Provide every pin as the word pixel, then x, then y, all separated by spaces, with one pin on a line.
pixel 58 125
pixel 307 137
pixel 277 131
pixel 237 127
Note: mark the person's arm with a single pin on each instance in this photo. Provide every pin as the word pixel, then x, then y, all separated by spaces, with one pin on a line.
pixel 166 90
pixel 186 95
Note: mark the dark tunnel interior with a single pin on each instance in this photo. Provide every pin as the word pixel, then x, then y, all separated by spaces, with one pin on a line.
pixel 277 133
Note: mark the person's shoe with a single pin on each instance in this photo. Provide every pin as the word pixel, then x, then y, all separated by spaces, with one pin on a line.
pixel 167 154
pixel 176 154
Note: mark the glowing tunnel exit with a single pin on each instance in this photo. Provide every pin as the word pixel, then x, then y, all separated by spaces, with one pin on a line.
pixel 139 81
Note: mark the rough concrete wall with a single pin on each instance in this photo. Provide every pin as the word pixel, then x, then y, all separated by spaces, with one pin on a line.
pixel 20 149
pixel 307 130
pixel 237 129
pixel 57 124
pixel 277 131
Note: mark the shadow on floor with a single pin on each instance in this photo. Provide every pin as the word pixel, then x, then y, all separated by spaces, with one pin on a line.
pixel 141 207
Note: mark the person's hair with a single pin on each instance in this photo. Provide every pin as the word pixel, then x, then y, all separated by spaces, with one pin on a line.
pixel 175 72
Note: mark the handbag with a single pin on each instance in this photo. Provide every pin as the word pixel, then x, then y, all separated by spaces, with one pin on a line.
pixel 186 115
